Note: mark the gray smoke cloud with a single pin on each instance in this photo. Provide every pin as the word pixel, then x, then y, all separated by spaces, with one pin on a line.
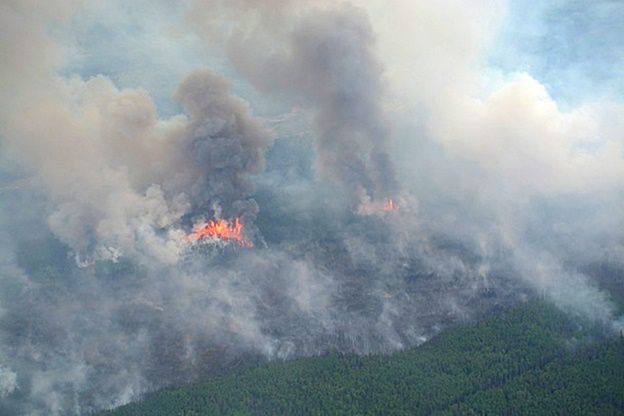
pixel 121 179
pixel 226 144
pixel 323 59
pixel 504 142
pixel 505 196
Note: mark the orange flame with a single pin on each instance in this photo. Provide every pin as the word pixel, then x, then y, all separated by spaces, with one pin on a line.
pixel 231 231
pixel 377 207
pixel 390 205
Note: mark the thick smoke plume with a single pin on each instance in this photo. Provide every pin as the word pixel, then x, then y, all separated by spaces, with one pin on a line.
pixel 505 195
pixel 324 60
pixel 226 146
pixel 122 180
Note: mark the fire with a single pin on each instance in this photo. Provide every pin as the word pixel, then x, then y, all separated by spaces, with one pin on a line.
pixel 390 205
pixel 230 231
pixel 377 207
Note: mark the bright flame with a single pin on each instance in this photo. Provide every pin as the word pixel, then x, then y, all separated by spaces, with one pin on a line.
pixel 222 229
pixel 390 205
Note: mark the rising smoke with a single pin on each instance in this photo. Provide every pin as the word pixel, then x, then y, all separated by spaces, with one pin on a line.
pixel 324 60
pixel 504 196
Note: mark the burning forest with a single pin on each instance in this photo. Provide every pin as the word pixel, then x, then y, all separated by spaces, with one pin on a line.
pixel 265 180
pixel 224 230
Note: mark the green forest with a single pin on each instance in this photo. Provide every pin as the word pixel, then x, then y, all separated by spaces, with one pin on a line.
pixel 533 360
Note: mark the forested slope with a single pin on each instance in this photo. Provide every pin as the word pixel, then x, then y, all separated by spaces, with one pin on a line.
pixel 533 360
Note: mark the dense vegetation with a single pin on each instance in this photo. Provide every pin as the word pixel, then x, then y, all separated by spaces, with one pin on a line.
pixel 532 360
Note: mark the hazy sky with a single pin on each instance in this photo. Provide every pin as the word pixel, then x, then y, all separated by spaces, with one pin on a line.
pixel 574 48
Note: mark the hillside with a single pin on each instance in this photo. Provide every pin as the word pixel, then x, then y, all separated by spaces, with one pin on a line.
pixel 532 360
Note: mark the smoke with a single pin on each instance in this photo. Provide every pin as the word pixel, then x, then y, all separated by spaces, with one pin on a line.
pixel 324 60
pixel 226 144
pixel 504 141
pixel 119 177
pixel 8 381
pixel 505 194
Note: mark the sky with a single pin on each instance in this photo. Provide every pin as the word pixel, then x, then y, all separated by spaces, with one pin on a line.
pixel 572 47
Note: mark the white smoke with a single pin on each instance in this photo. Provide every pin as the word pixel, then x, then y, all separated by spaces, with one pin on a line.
pixel 8 381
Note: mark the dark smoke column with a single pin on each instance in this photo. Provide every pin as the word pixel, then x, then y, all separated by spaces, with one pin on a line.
pixel 325 61
pixel 225 143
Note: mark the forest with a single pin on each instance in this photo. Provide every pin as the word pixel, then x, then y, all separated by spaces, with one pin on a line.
pixel 532 360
